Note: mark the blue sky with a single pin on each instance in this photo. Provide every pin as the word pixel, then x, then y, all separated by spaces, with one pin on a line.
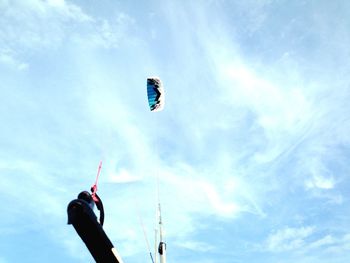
pixel 251 149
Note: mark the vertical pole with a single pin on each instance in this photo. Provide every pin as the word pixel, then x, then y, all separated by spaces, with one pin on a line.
pixel 162 246
pixel 155 245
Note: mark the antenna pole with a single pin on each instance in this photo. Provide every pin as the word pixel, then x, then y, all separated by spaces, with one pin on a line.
pixel 155 245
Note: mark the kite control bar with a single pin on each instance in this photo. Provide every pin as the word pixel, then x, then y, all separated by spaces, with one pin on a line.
pixel 94 186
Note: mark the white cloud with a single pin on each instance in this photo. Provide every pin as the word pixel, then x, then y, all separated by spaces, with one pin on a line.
pixel 340 245
pixel 303 240
pixel 320 182
pixel 196 246
pixel 320 177
pixel 7 58
pixel 275 105
pixel 197 194
pixel 41 26
pixel 281 108
pixel 324 241
pixel 111 33
pixel 220 207
pixel 288 239
pixel 122 176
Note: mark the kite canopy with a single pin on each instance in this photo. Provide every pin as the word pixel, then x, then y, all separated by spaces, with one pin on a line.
pixel 155 94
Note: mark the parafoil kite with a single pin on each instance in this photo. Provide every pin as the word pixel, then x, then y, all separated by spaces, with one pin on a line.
pixel 155 93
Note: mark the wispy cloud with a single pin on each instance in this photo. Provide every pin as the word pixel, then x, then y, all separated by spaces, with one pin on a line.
pixel 320 182
pixel 49 25
pixel 45 23
pixel 288 239
pixel 8 58
pixel 196 246
pixel 302 242
pixel 122 176
pixel 108 33
pixel 324 241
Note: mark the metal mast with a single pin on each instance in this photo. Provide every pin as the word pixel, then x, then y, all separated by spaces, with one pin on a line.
pixel 162 245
